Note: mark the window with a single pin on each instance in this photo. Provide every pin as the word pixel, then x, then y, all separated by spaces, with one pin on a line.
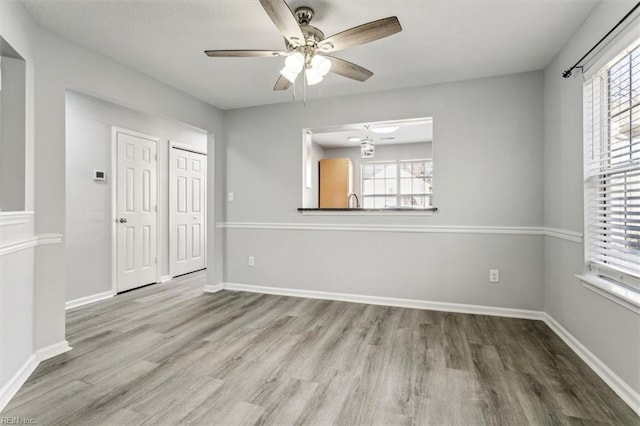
pixel 612 170
pixel 397 184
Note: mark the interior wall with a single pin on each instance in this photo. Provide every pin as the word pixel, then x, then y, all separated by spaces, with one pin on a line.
pixel 608 330
pixel 89 204
pixel 488 149
pixel 17 283
pixel 12 136
pixel 405 151
pixel 55 65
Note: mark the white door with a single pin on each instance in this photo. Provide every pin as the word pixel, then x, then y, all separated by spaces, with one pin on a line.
pixel 188 218
pixel 137 216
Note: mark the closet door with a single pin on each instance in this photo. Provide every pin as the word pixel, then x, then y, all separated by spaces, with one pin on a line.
pixel 187 237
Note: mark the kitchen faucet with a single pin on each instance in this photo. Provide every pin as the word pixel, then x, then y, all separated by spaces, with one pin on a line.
pixel 353 194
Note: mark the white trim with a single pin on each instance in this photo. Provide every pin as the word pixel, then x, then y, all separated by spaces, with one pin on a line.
pixel 16 246
pixel 390 301
pixel 52 350
pixel 563 234
pixel 88 299
pixel 165 278
pixel 616 293
pixel 31 242
pixel 622 389
pixel 15 218
pixel 187 147
pixel 12 387
pixel 44 239
pixel 14 384
pixel 214 288
pixel 368 212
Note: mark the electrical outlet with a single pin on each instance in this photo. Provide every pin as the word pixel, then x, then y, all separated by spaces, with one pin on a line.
pixel 494 276
pixel 230 197
pixel 251 261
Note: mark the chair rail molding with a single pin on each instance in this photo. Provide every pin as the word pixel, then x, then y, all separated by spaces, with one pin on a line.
pixel 562 234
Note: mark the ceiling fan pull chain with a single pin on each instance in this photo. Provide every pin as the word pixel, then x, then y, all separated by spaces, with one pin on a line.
pixel 304 89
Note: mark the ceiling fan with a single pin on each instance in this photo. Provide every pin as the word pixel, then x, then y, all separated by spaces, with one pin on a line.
pixel 307 47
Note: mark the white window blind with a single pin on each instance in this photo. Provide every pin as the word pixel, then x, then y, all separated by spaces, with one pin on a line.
pixel 612 170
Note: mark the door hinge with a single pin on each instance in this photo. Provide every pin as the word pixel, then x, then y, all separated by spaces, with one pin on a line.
pixel 156 207
pixel 156 260
pixel 156 156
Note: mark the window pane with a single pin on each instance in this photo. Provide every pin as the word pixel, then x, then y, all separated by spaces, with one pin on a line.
pixel 368 202
pixel 391 186
pixel 368 187
pixel 379 186
pixel 381 179
pixel 391 171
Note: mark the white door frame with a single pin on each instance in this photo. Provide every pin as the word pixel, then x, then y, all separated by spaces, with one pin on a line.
pixel 190 148
pixel 114 201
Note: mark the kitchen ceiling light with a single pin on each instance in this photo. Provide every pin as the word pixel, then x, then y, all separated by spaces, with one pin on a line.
pixel 354 139
pixel 384 130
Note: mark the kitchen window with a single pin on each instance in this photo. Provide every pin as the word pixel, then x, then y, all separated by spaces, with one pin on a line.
pixel 397 184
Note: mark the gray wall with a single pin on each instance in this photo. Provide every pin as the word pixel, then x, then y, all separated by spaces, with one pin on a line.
pixel 88 202
pixel 17 282
pixel 64 66
pixel 488 150
pixel 12 136
pixel 608 330
pixel 406 151
pixel 53 66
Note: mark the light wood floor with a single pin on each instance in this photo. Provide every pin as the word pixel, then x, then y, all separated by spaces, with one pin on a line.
pixel 171 354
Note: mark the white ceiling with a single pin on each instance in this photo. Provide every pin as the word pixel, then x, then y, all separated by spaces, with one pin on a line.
pixel 409 131
pixel 441 41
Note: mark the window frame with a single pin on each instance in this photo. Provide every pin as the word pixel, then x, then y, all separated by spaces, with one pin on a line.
pixel 604 216
pixel 398 194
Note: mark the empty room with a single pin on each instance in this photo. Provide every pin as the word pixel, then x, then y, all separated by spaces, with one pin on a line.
pixel 299 212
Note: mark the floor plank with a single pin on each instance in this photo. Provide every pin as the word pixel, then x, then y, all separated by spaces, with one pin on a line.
pixel 170 354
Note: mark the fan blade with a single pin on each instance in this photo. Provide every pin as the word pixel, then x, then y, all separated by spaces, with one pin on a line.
pixel 244 53
pixel 285 21
pixel 361 34
pixel 282 84
pixel 348 69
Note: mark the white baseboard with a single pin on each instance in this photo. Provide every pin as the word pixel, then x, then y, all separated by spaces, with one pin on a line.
pixel 391 301
pixel 165 278
pixel 213 288
pixel 52 350
pixel 89 299
pixel 619 386
pixel 12 387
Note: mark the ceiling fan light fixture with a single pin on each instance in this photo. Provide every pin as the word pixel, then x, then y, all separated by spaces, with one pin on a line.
pixel 321 65
pixel 312 76
pixel 294 62
pixel 289 75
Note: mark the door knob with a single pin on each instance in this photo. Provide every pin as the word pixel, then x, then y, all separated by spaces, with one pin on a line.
pixel 123 220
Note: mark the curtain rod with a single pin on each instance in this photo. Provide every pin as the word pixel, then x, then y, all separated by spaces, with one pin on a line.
pixel 567 73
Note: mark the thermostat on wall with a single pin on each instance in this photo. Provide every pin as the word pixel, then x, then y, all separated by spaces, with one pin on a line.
pixel 99 175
